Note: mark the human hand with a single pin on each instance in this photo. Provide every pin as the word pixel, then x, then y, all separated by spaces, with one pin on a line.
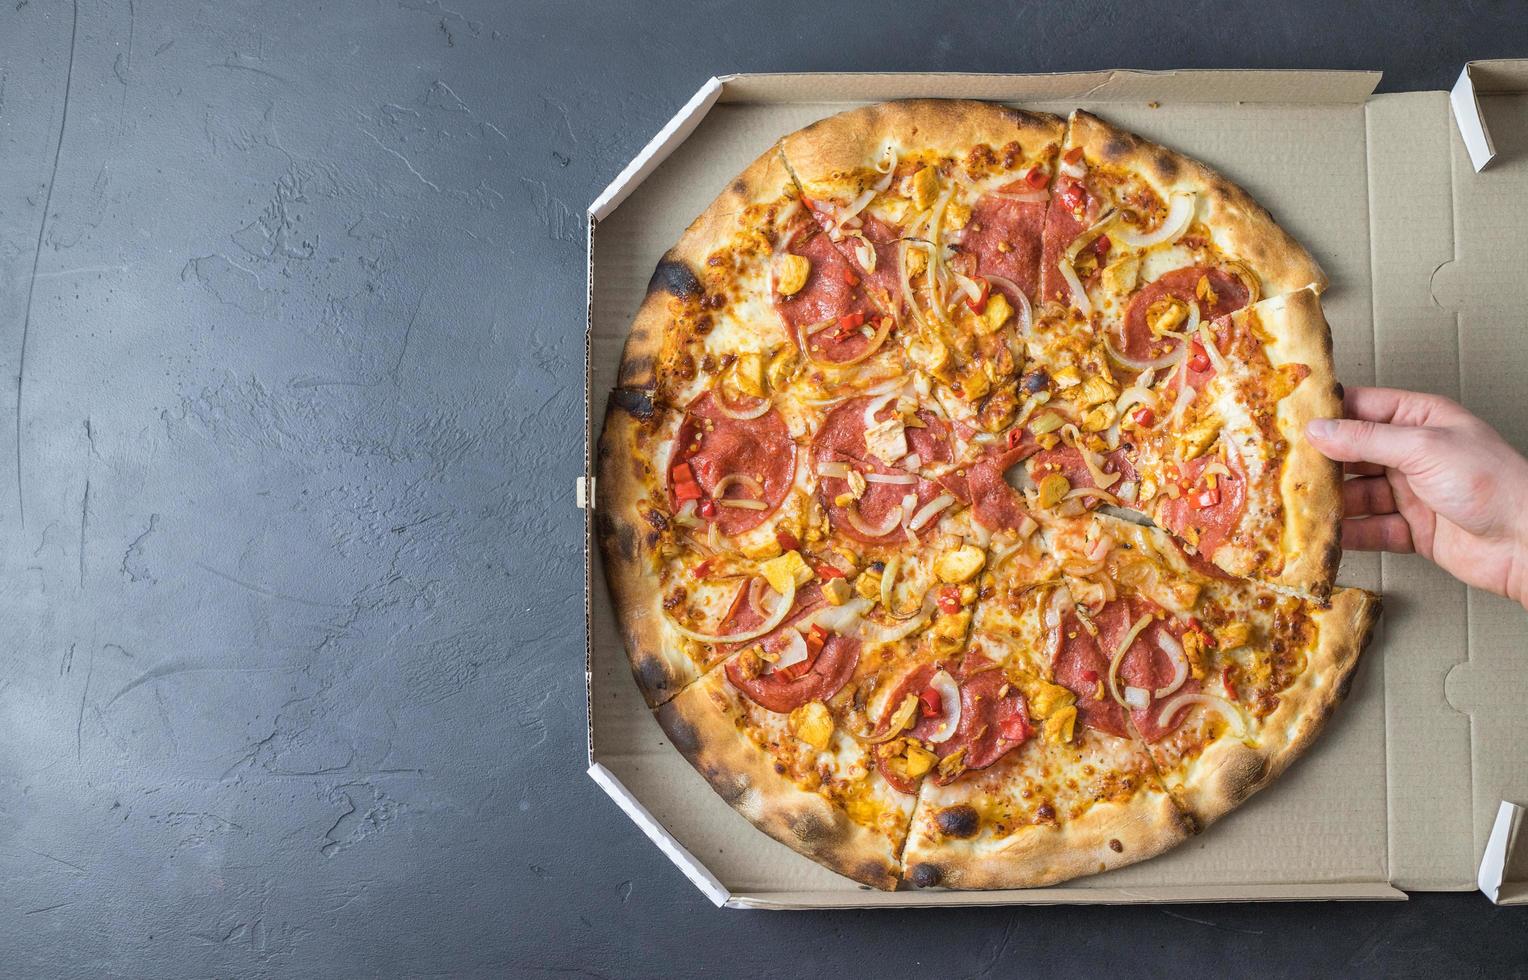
pixel 1428 476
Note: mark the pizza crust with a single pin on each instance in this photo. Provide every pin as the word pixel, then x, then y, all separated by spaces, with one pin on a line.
pixel 1310 485
pixel 1227 772
pixel 703 726
pixel 1243 228
pixel 841 146
pixel 624 478
pixel 653 349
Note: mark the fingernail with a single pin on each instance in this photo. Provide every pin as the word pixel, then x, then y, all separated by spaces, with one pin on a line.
pixel 1321 428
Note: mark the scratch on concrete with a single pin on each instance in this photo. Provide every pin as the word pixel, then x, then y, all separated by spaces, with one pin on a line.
pixel 84 529
pixel 42 227
pixel 79 721
pixel 262 590
pixel 132 558
pixel 422 178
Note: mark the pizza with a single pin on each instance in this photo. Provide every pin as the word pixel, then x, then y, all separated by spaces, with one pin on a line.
pixel 954 502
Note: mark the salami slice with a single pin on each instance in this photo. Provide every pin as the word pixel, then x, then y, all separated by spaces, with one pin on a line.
pixel 1146 664
pixel 1081 666
pixel 993 721
pixel 832 293
pixel 996 505
pixel 1213 514
pixel 1068 461
pixel 883 284
pixel 826 675
pixel 841 439
pixel 1005 237
pixel 715 446
pixel 1072 211
pixel 914 684
pixel 1136 340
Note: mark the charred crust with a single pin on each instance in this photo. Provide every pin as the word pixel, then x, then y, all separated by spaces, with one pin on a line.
pixel 636 402
pixel 924 875
pixel 740 187
pixel 1116 149
pixel 810 828
pixel 681 733
pixel 1166 165
pixel 958 821
pixel 676 279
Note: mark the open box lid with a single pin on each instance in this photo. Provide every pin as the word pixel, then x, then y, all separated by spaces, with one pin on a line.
pixel 1408 791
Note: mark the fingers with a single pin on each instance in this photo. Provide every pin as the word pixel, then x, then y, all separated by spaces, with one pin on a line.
pixel 1396 405
pixel 1367 495
pixel 1363 469
pixel 1365 441
pixel 1388 532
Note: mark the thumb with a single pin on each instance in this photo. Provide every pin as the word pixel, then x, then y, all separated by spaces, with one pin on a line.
pixel 1362 441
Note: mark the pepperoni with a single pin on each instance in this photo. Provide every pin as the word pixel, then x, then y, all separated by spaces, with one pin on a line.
pixel 829 672
pixel 914 684
pixel 997 505
pixel 1062 226
pixel 985 714
pixel 827 295
pixel 716 446
pixel 1005 236
pixel 1068 461
pixel 1215 522
pixel 1145 665
pixel 884 285
pixel 1080 665
pixel 1136 339
pixel 843 431
pixel 842 439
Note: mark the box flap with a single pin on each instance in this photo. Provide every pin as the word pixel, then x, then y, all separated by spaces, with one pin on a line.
pixel 1495 879
pixel 671 848
pixel 660 146
pixel 1483 78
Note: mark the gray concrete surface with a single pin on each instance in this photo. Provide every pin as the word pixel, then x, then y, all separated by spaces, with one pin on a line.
pixel 291 330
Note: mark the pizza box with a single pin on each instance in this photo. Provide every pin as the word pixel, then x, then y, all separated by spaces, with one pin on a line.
pixel 1413 203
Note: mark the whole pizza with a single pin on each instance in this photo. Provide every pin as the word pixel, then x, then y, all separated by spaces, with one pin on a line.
pixel 955 504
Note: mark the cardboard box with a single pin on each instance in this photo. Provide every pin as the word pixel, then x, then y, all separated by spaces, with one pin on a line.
pixel 1405 789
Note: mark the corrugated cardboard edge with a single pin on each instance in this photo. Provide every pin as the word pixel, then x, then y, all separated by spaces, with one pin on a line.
pixel 657 150
pixel 1472 126
pixel 1493 863
pixel 707 882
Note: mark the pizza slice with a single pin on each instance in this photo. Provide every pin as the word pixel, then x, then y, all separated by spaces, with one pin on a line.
pixel 1048 784
pixel 795 729
pixel 939 207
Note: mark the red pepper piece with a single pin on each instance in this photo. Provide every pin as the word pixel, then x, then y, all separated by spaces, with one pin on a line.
pixel 826 571
pixel 949 600
pixel 1198 360
pixel 1037 177
pixel 933 703
pixel 708 508
pixel 980 302
pixel 787 540
pixel 1144 417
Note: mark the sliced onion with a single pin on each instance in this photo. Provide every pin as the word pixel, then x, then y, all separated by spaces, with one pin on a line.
pixel 1012 291
pixel 1137 697
pixel 1185 398
pixel 883 634
pixel 1169 645
pixel 686 514
pixel 1103 495
pixel 875 406
pixel 1079 295
pixel 756 586
pixel 1180 214
pixel 1089 234
pixel 719 399
pixel 1230 712
pixel 897 479
pixel 949 702
pixel 793 654
pixel 864 252
pixel 887 166
pixel 1091 460
pixel 1119 656
pixel 929 510
pixel 1212 349
pixel 1217 468
pixel 774 620
pixel 1023 197
pixel 840 619
pixel 1172 357
pixel 892 522
pixel 912 461
pixel 1136 395
pixel 815 328
pixel 904 281
pixel 889 581
pixel 1127 491
pixel 742 503
pixel 969 287
pixel 741 479
pixel 877 340
pixel 834 469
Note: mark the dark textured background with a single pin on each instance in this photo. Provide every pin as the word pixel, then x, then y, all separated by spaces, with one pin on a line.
pixel 291 677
